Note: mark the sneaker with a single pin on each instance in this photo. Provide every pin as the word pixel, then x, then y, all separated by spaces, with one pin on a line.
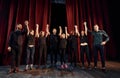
pixel 103 69
pixel 65 66
pixel 31 66
pixel 62 66
pixel 26 68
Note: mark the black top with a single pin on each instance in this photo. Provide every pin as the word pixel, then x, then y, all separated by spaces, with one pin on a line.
pixel 53 39
pixel 83 39
pixel 63 43
pixel 30 39
pixel 16 38
pixel 73 41
pixel 41 41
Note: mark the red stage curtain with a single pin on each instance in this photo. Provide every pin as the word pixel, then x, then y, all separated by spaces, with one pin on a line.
pixel 93 12
pixel 17 11
pixel 38 11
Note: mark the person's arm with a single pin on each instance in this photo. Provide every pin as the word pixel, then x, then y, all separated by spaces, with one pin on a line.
pixel 60 30
pixel 86 29
pixel 37 31
pixel 47 30
pixel 107 38
pixel 66 33
pixel 28 30
pixel 10 42
pixel 76 30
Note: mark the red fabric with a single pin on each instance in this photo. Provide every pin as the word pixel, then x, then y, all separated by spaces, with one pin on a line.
pixel 17 11
pixel 93 12
pixel 38 11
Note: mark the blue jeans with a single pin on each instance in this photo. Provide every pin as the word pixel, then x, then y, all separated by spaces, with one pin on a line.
pixel 30 55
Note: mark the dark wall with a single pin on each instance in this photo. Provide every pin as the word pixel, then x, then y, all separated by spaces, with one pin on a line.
pixel 114 14
pixel 58 15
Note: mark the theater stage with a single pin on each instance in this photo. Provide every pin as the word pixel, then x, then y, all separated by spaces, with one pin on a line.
pixel 113 71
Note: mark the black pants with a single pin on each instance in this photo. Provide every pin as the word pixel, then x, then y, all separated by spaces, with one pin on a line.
pixel 53 55
pixel 85 50
pixel 73 56
pixel 15 58
pixel 42 53
pixel 62 55
pixel 99 48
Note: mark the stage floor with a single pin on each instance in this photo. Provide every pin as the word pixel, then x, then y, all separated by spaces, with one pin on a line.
pixel 113 71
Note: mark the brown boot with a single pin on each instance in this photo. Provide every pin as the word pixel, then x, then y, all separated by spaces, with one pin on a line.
pixel 16 69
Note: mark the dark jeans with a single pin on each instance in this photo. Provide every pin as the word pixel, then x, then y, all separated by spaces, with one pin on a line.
pixel 85 50
pixel 53 55
pixel 99 48
pixel 62 55
pixel 15 57
pixel 42 53
pixel 30 55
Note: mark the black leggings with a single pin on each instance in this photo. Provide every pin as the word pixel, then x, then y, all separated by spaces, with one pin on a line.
pixel 62 55
pixel 42 52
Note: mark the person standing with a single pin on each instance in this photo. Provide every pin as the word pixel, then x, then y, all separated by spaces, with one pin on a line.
pixel 62 47
pixel 42 44
pixel 30 49
pixel 98 44
pixel 73 43
pixel 84 48
pixel 15 47
pixel 53 45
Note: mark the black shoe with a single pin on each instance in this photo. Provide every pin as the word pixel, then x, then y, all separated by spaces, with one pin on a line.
pixel 95 67
pixel 104 69
pixel 82 67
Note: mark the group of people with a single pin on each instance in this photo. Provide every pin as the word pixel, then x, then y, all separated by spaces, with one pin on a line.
pixel 57 44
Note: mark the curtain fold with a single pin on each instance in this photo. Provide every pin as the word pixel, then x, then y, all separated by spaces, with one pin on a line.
pixel 93 12
pixel 17 11
pixel 39 12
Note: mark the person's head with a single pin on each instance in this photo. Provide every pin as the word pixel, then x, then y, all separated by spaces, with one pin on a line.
pixel 54 31
pixel 32 32
pixel 26 22
pixel 19 26
pixel 82 33
pixel 72 32
pixel 96 27
pixel 42 33
pixel 63 35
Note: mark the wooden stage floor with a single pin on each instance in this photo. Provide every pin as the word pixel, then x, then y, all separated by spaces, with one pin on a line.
pixel 113 71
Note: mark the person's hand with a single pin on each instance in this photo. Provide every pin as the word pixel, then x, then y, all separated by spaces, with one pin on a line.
pixel 47 25
pixel 37 25
pixel 85 23
pixel 103 43
pixel 65 28
pixel 75 26
pixel 60 27
pixel 9 48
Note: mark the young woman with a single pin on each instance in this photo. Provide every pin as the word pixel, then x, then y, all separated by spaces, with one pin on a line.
pixel 62 47
pixel 42 44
